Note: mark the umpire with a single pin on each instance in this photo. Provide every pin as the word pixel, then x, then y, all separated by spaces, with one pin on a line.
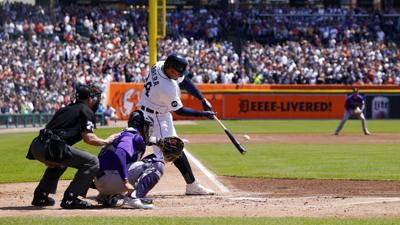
pixel 53 147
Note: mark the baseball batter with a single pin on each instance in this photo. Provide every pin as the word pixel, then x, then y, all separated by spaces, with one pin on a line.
pixel 354 105
pixel 160 96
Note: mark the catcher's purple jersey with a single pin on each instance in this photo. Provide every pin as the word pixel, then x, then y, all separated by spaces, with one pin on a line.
pixel 127 148
pixel 352 102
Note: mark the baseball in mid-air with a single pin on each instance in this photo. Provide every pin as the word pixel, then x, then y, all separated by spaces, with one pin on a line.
pixel 246 137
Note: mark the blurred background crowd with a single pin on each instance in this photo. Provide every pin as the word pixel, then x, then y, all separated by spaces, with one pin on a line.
pixel 46 51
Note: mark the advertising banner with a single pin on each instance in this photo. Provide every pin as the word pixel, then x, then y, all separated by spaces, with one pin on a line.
pixel 268 106
pixel 123 97
pixel 382 106
pixel 268 102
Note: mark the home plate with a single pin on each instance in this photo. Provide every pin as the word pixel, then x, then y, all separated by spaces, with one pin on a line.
pixel 249 199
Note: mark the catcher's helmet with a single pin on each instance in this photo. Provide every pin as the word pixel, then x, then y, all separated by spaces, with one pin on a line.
pixel 177 63
pixel 136 120
pixel 141 123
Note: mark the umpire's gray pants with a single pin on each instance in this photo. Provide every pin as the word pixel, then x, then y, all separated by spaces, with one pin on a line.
pixel 86 164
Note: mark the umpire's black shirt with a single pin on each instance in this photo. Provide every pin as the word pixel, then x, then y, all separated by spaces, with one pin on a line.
pixel 71 121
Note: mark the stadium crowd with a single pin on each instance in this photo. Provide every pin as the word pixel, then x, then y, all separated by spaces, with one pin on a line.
pixel 46 51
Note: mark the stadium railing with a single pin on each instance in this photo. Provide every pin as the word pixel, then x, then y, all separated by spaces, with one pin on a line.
pixel 34 120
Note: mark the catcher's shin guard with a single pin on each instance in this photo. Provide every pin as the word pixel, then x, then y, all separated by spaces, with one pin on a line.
pixel 149 179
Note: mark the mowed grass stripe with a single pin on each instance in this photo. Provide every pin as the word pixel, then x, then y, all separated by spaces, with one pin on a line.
pixel 289 127
pixel 303 161
pixel 192 221
pixel 268 127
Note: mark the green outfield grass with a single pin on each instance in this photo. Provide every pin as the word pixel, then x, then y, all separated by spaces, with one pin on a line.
pixel 376 162
pixel 289 126
pixel 193 221
pixel 309 161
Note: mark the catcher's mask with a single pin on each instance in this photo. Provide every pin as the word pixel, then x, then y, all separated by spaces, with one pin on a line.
pixel 143 124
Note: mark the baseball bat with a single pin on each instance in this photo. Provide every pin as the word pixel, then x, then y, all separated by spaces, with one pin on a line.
pixel 235 142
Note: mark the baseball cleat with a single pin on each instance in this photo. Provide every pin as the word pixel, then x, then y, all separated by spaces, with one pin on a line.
pixel 135 203
pixel 367 133
pixel 42 199
pixel 70 201
pixel 147 200
pixel 196 188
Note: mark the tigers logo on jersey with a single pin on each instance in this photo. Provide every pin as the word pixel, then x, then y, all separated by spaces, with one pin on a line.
pixel 174 104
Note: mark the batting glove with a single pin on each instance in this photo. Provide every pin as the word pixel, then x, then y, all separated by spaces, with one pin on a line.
pixel 209 114
pixel 206 105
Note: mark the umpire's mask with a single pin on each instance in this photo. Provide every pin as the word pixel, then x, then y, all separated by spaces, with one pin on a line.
pixel 84 92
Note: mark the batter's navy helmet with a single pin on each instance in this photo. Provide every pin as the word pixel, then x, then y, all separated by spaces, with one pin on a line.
pixel 177 63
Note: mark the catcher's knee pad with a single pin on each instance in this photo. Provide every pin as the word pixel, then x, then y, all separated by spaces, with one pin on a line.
pixel 153 168
pixel 159 166
pixel 154 163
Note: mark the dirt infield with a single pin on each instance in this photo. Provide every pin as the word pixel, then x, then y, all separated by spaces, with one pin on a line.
pixel 251 197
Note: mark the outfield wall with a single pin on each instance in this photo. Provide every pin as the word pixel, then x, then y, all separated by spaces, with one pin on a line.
pixel 271 101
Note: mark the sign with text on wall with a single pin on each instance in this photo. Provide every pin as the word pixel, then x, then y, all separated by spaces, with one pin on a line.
pixel 382 106
pixel 293 106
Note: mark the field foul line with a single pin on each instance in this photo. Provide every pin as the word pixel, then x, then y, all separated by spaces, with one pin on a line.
pixel 253 199
pixel 207 173
pixel 379 200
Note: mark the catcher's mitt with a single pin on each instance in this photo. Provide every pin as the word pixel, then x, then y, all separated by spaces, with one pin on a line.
pixel 171 147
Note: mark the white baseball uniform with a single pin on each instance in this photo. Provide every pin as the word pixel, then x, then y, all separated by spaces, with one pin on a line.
pixel 160 96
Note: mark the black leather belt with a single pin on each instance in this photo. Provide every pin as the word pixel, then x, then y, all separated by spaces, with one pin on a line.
pixel 148 110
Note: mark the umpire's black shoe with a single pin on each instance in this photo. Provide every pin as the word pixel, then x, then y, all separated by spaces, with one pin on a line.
pixel 70 201
pixel 41 198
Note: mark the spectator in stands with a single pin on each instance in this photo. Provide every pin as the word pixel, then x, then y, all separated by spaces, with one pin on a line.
pixel 311 46
pixel 110 114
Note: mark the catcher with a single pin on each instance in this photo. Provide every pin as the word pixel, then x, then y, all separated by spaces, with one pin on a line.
pixel 124 174
pixel 354 105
